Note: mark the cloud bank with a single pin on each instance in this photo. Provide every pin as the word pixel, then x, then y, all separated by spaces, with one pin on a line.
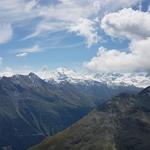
pixel 130 24
pixel 127 23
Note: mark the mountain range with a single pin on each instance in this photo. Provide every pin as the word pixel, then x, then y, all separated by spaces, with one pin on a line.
pixel 32 108
pixel 137 79
pixel 122 123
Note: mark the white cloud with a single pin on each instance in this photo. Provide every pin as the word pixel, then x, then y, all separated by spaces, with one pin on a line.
pixel 25 51
pixel 1 60
pixel 46 27
pixel 8 71
pixel 130 24
pixel 15 11
pixel 86 28
pixel 137 59
pixel 31 5
pixel 127 23
pixel 6 33
pixel 67 13
pixel 21 54
pixel 64 15
pixel 43 73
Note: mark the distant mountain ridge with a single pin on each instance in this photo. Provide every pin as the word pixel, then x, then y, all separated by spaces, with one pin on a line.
pixel 111 79
pixel 32 108
pixel 62 74
pixel 123 123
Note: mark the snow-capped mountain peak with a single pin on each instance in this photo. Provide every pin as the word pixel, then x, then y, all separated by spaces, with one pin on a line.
pixel 136 79
pixel 111 79
pixel 64 74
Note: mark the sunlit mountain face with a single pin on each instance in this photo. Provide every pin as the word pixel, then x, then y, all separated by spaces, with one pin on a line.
pixel 61 60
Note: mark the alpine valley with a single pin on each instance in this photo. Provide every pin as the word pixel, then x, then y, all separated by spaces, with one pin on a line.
pixel 32 108
pixel 122 123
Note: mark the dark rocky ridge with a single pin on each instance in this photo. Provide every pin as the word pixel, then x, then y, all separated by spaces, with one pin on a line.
pixel 123 123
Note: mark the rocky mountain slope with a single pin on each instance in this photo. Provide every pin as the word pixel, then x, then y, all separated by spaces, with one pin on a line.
pixel 122 123
pixel 32 108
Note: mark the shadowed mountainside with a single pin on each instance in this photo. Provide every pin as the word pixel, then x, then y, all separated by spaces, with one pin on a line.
pixel 31 108
pixel 122 123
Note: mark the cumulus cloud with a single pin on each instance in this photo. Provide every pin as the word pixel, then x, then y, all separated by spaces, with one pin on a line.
pixel 127 23
pixel 6 33
pixel 137 59
pixel 25 51
pixel 130 24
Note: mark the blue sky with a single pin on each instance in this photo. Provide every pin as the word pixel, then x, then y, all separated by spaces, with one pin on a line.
pixel 65 33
